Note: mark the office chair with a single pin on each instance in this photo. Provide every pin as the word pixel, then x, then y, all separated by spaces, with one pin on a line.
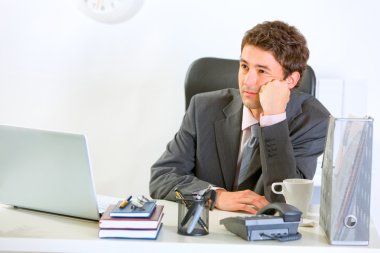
pixel 209 74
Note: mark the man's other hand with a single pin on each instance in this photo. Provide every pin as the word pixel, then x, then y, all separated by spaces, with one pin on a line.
pixel 247 200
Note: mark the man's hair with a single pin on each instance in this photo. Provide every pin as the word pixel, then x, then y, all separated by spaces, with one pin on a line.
pixel 285 42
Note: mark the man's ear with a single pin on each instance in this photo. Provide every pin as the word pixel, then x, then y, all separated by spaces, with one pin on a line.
pixel 293 79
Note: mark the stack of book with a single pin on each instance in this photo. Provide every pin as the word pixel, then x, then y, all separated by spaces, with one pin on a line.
pixel 131 222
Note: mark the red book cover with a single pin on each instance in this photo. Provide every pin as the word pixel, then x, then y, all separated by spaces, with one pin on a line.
pixel 130 233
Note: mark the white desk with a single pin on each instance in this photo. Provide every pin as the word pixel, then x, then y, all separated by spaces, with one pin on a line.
pixel 23 230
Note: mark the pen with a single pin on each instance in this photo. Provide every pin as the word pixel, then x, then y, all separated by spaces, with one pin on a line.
pixel 190 212
pixel 125 202
pixel 196 217
pixel 200 220
pixel 180 196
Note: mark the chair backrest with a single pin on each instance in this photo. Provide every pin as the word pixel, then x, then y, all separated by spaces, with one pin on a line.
pixel 209 74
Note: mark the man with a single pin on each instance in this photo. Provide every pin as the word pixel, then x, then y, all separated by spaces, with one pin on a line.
pixel 291 131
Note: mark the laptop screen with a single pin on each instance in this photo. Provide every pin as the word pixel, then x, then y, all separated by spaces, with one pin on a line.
pixel 46 171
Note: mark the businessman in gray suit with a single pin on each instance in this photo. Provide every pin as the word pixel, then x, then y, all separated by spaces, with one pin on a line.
pixel 208 148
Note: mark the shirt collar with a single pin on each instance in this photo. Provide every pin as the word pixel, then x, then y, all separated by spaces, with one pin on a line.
pixel 248 119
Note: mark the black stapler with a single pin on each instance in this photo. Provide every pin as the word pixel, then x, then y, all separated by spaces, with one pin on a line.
pixel 265 225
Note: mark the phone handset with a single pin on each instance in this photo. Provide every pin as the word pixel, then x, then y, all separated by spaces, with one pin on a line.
pixel 288 212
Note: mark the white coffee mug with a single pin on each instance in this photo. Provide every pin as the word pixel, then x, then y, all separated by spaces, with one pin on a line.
pixel 297 192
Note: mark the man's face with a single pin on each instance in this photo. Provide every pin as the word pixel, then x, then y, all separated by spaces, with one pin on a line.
pixel 257 67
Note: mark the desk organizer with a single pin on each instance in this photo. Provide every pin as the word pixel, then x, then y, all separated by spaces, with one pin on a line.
pixel 346 181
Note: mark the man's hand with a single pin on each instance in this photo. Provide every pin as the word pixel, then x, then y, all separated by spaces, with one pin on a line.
pixel 274 96
pixel 247 200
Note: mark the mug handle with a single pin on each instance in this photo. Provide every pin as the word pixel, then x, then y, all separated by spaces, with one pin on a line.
pixel 274 190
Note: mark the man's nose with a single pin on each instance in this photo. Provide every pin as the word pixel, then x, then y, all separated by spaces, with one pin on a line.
pixel 251 79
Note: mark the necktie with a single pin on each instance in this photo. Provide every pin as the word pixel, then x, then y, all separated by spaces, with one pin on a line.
pixel 248 149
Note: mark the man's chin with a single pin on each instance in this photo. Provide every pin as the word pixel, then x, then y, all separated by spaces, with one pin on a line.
pixel 251 104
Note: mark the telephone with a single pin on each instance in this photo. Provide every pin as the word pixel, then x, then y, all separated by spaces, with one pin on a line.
pixel 265 225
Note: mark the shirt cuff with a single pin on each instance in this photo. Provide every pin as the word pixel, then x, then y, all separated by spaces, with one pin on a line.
pixel 271 119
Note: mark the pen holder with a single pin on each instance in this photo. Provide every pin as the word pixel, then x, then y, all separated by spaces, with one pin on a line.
pixel 193 216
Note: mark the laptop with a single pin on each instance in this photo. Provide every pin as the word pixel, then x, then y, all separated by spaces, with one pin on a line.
pixel 47 171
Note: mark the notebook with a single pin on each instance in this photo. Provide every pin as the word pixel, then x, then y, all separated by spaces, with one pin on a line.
pixel 47 171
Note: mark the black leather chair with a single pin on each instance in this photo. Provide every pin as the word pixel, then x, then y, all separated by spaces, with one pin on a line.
pixel 209 74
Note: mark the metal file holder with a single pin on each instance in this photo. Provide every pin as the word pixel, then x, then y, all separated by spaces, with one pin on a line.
pixel 346 181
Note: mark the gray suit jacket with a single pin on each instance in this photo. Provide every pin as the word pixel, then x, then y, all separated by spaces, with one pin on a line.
pixel 205 149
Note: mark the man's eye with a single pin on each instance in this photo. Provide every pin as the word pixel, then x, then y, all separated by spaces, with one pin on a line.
pixel 244 66
pixel 261 71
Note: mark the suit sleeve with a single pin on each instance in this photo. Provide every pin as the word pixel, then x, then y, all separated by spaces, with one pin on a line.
pixel 291 149
pixel 175 168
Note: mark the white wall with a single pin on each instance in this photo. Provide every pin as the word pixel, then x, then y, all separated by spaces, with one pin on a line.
pixel 122 84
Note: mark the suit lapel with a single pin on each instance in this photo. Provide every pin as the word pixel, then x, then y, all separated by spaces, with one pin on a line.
pixel 227 132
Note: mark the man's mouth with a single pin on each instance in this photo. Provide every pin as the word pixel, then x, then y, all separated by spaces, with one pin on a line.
pixel 250 93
